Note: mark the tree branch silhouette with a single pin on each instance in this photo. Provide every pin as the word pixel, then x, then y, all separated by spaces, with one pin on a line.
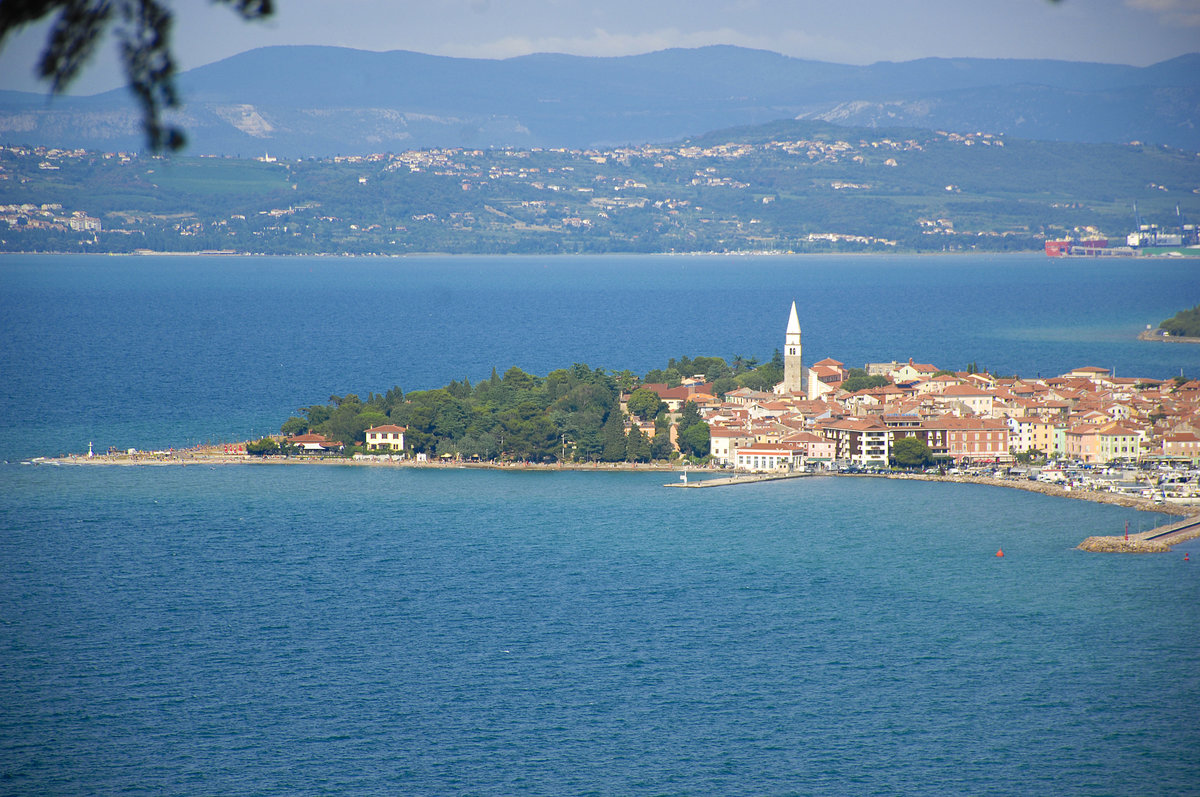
pixel 143 32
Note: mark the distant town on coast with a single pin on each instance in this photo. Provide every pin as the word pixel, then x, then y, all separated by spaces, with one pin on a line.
pixel 793 187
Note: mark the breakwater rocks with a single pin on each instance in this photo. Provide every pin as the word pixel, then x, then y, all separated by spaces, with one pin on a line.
pixel 1153 541
pixel 1122 545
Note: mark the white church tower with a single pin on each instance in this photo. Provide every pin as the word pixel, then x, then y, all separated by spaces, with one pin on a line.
pixel 793 367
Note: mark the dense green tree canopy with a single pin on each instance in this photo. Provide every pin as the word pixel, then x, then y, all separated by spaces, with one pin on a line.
pixel 645 404
pixel 637 447
pixel 572 413
pixel 911 452
pixel 614 439
pixel 694 440
pixel 262 447
pixel 1185 323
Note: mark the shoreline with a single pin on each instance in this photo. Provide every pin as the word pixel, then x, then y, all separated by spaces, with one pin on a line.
pixel 740 253
pixel 201 460
pixel 1157 335
pixel 737 253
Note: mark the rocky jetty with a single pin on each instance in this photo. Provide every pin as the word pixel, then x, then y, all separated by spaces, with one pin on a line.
pixel 1122 545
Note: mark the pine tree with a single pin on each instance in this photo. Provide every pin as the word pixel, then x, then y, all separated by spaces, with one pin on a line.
pixel 637 448
pixel 614 437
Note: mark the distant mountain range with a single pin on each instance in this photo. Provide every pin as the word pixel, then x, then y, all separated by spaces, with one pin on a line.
pixel 322 101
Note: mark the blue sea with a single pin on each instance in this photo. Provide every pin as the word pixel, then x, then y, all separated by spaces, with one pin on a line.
pixel 306 630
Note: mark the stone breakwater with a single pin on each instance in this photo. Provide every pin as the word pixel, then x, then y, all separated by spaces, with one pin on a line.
pixel 1153 541
pixel 1122 545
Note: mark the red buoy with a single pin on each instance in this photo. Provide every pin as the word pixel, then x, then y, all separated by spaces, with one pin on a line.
pixel 1000 552
pixel 1185 556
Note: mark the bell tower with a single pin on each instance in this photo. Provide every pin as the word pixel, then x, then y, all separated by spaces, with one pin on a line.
pixel 793 366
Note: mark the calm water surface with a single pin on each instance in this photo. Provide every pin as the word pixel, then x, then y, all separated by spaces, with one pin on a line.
pixel 294 630
pixel 311 630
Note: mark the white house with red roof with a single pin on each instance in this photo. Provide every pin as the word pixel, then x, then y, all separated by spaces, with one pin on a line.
pixel 387 437
pixel 1090 373
pixel 913 372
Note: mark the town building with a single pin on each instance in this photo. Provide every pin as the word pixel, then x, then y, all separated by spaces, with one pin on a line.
pixel 1183 446
pixel 724 443
pixel 1031 433
pixel 766 457
pixel 313 443
pixel 1101 443
pixel 387 437
pixel 975 440
pixel 824 378
pixel 859 441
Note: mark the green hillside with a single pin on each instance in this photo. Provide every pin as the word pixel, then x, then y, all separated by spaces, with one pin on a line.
pixel 1185 323
pixel 788 186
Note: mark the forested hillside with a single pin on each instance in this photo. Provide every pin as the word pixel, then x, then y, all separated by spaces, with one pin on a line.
pixel 573 413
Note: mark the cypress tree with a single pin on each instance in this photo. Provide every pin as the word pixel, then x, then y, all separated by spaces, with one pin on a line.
pixel 638 446
pixel 614 437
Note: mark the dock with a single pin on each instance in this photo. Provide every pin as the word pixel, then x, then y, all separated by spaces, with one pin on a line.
pixel 745 478
pixel 1156 540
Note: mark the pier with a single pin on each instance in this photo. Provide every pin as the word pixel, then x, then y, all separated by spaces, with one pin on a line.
pixel 745 478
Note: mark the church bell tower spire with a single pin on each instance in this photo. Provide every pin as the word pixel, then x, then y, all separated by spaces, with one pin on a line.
pixel 793 367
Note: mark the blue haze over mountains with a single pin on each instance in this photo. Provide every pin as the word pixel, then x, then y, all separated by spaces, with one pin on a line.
pixel 298 101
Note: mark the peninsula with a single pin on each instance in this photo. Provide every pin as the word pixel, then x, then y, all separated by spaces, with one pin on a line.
pixel 1084 433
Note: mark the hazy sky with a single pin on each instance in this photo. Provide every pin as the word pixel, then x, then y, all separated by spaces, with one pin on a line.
pixel 1138 32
